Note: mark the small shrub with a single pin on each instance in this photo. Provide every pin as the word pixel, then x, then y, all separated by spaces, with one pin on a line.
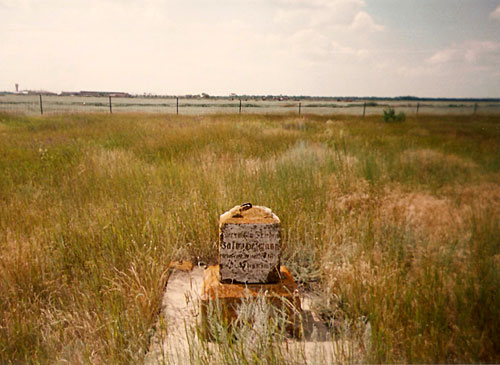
pixel 391 116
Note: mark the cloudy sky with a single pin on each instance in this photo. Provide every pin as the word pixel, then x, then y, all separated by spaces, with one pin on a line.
pixel 437 48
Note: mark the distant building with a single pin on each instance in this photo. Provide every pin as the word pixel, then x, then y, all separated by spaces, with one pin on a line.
pixel 119 94
pixel 103 93
pixel 37 92
pixel 68 93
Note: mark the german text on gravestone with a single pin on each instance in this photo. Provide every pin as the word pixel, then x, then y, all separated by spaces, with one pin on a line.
pixel 249 253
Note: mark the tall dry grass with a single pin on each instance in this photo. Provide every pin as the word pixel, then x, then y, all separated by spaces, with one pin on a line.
pixel 395 228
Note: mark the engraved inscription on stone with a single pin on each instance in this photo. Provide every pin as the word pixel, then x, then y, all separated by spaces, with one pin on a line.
pixel 249 253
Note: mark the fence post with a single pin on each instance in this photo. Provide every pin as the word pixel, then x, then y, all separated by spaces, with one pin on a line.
pixel 110 107
pixel 41 106
pixel 300 106
pixel 240 106
pixel 177 105
pixel 418 106
pixel 475 108
pixel 364 109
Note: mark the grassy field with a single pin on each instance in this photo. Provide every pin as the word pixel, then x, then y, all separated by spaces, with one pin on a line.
pixel 30 104
pixel 391 225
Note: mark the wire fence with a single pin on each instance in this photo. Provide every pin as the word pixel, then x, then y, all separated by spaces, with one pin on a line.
pixel 51 104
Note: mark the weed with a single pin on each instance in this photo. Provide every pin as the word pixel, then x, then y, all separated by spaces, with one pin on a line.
pixel 391 116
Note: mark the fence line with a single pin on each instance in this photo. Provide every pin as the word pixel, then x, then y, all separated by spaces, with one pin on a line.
pixel 61 104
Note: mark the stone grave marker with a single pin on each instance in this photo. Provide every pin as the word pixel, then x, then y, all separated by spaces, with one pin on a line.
pixel 249 245
pixel 248 272
pixel 249 266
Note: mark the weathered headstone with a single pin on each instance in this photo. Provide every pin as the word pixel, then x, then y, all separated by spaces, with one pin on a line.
pixel 249 265
pixel 249 245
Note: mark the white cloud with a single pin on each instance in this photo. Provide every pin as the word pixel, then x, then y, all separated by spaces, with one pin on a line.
pixel 364 22
pixel 339 49
pixel 495 14
pixel 309 41
pixel 294 46
pixel 11 4
pixel 322 33
pixel 89 16
pixel 442 56
pixel 317 13
pixel 317 48
pixel 412 71
pixel 470 52
pixel 320 3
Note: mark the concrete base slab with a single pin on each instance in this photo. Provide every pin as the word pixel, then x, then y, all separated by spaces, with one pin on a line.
pixel 177 341
pixel 177 321
pixel 283 296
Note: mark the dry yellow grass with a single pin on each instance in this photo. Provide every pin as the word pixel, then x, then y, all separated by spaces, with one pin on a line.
pixel 394 227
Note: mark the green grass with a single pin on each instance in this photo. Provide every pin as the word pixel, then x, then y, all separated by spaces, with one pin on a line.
pixel 392 225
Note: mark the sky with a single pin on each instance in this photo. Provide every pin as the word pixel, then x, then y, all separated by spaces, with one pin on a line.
pixel 425 48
